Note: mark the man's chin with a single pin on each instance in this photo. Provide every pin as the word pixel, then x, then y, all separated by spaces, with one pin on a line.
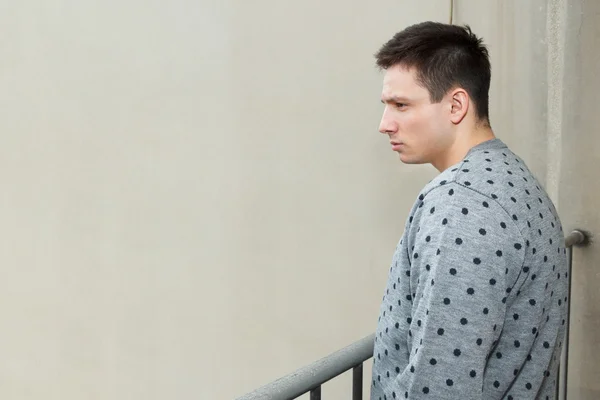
pixel 406 159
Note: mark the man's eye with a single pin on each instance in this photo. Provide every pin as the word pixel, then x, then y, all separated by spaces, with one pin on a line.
pixel 400 105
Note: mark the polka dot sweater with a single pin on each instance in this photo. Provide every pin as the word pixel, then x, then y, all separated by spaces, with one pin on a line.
pixel 475 302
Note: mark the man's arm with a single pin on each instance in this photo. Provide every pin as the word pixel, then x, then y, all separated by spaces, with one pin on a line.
pixel 464 245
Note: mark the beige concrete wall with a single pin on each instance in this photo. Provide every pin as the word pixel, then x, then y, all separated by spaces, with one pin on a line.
pixel 196 199
pixel 580 188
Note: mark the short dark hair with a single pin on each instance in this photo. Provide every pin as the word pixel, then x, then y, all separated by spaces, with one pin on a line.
pixel 444 56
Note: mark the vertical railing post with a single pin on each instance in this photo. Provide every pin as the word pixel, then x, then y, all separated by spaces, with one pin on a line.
pixel 315 394
pixel 563 371
pixel 357 382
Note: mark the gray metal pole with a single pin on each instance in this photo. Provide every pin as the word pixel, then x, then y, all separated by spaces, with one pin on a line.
pixel 313 375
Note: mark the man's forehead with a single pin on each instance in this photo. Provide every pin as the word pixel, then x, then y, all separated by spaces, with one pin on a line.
pixel 395 76
pixel 401 83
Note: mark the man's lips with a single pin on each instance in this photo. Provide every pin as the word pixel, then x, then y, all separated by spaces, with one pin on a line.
pixel 396 145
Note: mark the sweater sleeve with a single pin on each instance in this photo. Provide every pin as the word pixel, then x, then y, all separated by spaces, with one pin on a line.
pixel 461 246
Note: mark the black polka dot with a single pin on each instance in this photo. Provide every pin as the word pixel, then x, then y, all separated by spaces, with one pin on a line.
pixel 482 232
pixel 458 241
pixel 465 211
pixel 449 382
pixel 473 373
pixel 457 352
pixel 464 321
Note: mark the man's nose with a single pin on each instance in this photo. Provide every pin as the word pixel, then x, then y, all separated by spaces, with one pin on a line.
pixel 387 124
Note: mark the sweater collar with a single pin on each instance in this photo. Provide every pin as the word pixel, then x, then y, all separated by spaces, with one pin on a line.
pixel 491 144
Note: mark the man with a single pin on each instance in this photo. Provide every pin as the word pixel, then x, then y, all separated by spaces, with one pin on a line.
pixel 475 301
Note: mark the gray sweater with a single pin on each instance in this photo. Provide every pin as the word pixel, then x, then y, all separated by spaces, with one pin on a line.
pixel 475 302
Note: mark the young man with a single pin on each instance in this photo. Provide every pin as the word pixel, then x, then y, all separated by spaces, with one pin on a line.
pixel 475 301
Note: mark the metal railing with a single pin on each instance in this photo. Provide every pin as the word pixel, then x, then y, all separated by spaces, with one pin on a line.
pixel 311 377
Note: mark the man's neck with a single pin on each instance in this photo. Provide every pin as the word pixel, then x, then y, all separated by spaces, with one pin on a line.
pixel 460 148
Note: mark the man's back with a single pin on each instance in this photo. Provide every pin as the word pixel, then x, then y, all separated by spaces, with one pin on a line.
pixel 475 303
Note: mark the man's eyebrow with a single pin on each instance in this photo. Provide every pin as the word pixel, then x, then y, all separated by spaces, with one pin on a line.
pixel 394 99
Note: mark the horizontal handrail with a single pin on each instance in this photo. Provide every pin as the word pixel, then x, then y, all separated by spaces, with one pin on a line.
pixel 313 375
pixel 303 380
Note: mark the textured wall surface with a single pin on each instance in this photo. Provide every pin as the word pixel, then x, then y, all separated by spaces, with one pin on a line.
pixel 196 199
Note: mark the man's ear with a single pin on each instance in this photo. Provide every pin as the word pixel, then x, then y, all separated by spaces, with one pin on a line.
pixel 459 105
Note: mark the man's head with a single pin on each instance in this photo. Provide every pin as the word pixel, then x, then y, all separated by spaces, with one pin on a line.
pixel 435 89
